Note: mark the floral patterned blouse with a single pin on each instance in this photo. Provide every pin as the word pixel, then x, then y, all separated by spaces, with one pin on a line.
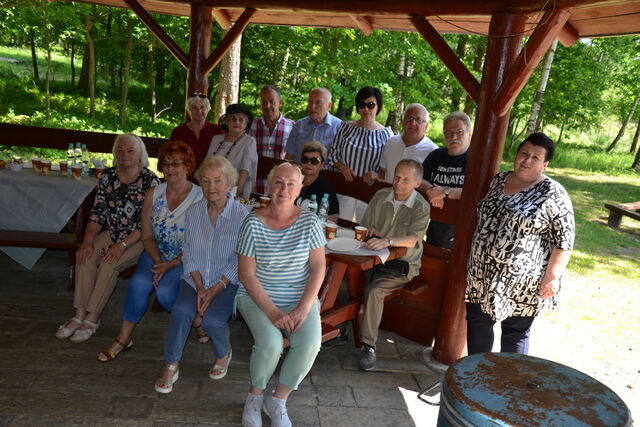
pixel 167 225
pixel 118 206
pixel 512 246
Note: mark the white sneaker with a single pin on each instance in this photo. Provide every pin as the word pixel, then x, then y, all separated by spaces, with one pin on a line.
pixel 251 415
pixel 276 409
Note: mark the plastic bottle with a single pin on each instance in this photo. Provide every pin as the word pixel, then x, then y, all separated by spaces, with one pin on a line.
pixel 85 160
pixel 323 210
pixel 70 158
pixel 313 204
pixel 77 154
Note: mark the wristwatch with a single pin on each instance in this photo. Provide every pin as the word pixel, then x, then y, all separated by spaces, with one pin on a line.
pixel 447 190
pixel 390 242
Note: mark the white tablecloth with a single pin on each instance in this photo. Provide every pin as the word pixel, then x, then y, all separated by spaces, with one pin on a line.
pixel 36 202
pixel 383 254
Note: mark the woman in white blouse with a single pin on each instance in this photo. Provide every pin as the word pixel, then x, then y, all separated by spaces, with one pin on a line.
pixel 237 146
pixel 210 270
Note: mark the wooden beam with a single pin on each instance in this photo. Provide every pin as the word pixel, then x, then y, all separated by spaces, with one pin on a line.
pixel 159 32
pixel 447 56
pixel 568 35
pixel 541 39
pixel 223 17
pixel 225 44
pixel 199 48
pixel 363 23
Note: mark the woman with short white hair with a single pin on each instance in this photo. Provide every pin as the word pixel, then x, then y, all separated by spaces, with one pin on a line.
pixel 112 239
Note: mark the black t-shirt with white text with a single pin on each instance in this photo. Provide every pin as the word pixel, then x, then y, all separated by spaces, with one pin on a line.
pixel 445 171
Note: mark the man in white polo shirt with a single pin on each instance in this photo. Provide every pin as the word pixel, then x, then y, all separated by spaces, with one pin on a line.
pixel 411 144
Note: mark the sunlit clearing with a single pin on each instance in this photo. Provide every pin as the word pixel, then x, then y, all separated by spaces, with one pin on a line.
pixel 421 413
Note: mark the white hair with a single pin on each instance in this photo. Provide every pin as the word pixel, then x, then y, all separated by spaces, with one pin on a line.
pixel 419 107
pixel 137 143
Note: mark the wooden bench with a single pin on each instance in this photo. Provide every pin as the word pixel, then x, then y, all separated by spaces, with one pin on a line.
pixel 616 212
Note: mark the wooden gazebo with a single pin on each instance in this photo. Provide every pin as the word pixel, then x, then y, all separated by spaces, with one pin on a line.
pixel 508 65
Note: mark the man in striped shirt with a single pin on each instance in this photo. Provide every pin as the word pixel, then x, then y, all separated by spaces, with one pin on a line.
pixel 272 130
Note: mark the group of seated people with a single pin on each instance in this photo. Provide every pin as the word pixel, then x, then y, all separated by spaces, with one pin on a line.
pixel 204 254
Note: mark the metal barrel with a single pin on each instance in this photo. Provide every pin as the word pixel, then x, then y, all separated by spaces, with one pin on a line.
pixel 508 389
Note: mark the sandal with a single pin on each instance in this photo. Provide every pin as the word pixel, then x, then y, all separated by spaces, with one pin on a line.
pixel 81 335
pixel 66 332
pixel 221 368
pixel 109 354
pixel 164 387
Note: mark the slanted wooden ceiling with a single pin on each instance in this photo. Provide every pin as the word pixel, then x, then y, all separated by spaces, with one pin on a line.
pixel 589 18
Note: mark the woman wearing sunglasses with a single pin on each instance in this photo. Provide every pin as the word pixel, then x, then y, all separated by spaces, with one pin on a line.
pixel 197 132
pixel 312 161
pixel 358 146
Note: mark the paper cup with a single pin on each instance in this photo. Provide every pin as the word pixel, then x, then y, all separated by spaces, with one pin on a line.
pixel 265 201
pixel 361 233
pixel 98 172
pixel 77 171
pixel 64 167
pixel 331 230
pixel 37 165
pixel 46 167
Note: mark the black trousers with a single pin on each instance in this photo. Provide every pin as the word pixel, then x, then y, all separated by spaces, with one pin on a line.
pixel 514 338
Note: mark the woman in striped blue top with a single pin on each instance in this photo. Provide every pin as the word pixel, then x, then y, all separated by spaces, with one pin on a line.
pixel 358 146
pixel 210 270
pixel 281 267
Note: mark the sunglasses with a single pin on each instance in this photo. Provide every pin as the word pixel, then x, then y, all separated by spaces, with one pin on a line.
pixel 313 160
pixel 197 95
pixel 367 105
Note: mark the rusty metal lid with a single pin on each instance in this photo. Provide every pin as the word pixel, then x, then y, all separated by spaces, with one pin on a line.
pixel 507 389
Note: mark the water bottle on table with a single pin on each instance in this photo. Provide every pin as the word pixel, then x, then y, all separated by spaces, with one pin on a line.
pixel 323 210
pixel 313 204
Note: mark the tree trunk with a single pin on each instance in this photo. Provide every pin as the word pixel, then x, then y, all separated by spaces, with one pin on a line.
pixel 89 21
pixel 534 118
pixel 623 128
pixel 478 61
pixel 125 79
pixel 47 78
pixel 34 58
pixel 111 65
pixel 228 80
pixel 395 116
pixel 73 67
pixel 83 81
pixel 636 162
pixel 151 81
pixel 634 144
pixel 561 133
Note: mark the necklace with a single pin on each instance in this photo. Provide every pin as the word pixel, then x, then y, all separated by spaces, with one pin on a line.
pixel 228 151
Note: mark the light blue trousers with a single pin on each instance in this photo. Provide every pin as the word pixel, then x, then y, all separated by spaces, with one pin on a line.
pixel 304 345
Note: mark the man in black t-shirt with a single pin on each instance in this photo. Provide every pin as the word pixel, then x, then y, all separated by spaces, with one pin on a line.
pixel 444 171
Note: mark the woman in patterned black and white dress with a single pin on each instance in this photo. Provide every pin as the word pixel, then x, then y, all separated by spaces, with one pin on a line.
pixel 358 146
pixel 520 250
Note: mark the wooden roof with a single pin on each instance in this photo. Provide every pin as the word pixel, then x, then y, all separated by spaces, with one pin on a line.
pixel 589 18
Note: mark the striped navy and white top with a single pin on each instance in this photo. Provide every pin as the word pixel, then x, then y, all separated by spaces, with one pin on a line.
pixel 359 148
pixel 282 256
pixel 212 250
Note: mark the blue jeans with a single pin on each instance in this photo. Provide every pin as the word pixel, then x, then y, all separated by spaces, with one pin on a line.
pixel 304 345
pixel 215 321
pixel 140 287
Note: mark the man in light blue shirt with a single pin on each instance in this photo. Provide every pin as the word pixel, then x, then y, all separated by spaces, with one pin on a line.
pixel 319 125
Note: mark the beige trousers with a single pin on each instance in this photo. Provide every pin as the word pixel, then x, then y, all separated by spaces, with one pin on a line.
pixel 95 280
pixel 374 294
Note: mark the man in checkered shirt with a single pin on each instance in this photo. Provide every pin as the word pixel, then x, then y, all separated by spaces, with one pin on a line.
pixel 271 131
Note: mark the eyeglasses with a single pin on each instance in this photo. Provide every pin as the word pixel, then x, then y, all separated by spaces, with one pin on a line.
pixel 367 105
pixel 457 134
pixel 412 119
pixel 173 164
pixel 197 95
pixel 313 160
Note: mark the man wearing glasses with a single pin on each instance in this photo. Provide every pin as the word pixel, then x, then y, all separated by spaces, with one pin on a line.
pixel 272 130
pixel 319 125
pixel 444 171
pixel 411 144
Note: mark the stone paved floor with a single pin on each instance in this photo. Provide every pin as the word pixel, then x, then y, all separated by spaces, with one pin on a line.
pixel 58 383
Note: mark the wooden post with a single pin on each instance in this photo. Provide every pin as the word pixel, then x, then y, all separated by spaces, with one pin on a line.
pixel 199 46
pixel 505 35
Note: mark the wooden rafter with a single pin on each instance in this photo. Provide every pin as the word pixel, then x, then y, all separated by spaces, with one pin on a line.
pixel 159 32
pixel 541 39
pixel 448 56
pixel 223 17
pixel 363 23
pixel 225 44
pixel 568 35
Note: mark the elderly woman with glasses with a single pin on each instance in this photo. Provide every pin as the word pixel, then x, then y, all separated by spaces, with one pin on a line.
pixel 197 132
pixel 237 146
pixel 112 239
pixel 358 146
pixel 210 275
pixel 312 161
pixel 163 226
